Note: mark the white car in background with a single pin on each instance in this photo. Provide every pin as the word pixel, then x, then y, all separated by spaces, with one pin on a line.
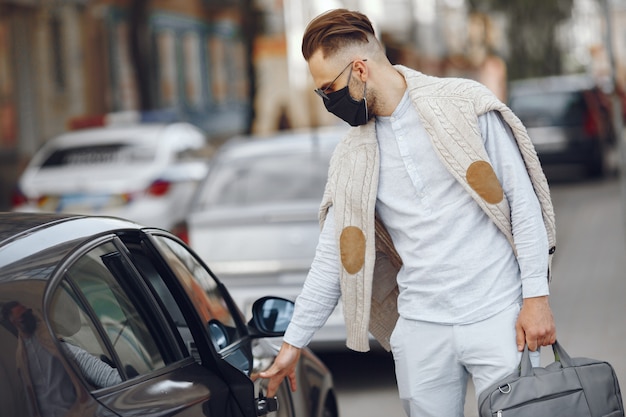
pixel 146 173
pixel 255 218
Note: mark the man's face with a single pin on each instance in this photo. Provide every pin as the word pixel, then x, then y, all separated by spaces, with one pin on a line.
pixel 24 319
pixel 333 74
pixel 330 75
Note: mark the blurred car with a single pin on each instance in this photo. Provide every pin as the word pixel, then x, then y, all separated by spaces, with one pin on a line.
pixel 103 317
pixel 569 121
pixel 255 217
pixel 142 172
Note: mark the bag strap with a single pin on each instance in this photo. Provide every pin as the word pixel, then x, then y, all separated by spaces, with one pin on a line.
pixel 560 355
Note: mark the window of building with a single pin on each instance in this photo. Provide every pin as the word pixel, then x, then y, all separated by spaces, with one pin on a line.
pixel 56 51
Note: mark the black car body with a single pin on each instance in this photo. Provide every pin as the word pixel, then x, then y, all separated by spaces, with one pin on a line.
pixel 139 306
pixel 568 118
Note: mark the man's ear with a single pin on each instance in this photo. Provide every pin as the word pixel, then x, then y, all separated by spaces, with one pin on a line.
pixel 361 69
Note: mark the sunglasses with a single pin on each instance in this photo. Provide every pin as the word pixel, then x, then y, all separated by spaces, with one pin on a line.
pixel 322 93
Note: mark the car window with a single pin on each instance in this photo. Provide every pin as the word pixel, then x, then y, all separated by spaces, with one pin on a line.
pixel 104 283
pixel 225 326
pixel 550 108
pixel 267 179
pixel 206 295
pixel 154 279
pixel 199 285
pixel 80 339
pixel 109 154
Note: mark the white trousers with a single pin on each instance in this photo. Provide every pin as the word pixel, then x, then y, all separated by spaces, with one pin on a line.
pixel 433 362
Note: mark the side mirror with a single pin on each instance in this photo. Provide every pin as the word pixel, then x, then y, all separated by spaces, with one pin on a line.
pixel 271 316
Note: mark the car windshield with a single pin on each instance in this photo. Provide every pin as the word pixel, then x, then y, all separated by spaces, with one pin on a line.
pixel 267 179
pixel 550 108
pixel 106 154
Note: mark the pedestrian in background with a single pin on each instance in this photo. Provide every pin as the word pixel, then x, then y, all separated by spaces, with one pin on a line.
pixel 437 224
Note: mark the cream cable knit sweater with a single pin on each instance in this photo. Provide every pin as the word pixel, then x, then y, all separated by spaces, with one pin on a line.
pixel 449 109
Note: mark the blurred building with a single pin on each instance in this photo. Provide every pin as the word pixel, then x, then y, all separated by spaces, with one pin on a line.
pixel 230 66
pixel 67 63
pixel 596 26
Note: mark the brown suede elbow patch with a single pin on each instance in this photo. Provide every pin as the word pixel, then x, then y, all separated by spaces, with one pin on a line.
pixel 352 248
pixel 482 178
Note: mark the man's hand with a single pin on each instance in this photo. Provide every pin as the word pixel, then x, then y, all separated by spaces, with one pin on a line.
pixel 284 366
pixel 535 324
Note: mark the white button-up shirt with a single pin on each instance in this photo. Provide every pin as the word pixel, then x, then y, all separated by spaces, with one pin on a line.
pixel 458 267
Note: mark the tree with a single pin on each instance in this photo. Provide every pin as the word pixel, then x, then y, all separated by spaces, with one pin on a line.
pixel 534 51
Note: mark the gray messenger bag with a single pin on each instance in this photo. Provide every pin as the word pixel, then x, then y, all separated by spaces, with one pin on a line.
pixel 568 387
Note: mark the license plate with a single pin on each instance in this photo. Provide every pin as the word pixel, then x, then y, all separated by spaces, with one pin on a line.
pixel 84 203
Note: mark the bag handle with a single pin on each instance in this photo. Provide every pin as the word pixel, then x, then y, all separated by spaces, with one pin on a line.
pixel 560 355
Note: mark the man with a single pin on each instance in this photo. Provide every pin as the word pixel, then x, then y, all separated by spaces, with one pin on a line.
pixel 436 224
pixel 50 388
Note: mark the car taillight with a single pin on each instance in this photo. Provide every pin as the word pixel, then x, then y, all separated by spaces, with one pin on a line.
pixel 181 231
pixel 159 188
pixel 591 125
pixel 18 198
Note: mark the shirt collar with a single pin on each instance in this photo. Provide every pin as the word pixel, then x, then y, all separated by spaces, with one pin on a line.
pixel 401 109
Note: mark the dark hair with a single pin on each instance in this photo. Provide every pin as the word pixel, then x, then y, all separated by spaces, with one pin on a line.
pixel 334 30
pixel 7 307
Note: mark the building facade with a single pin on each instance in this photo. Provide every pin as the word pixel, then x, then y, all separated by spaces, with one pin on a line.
pixel 65 64
pixel 231 66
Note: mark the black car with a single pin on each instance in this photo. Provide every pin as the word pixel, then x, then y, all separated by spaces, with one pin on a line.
pixel 103 317
pixel 568 118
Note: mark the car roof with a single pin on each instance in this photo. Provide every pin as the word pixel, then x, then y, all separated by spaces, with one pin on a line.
pixel 301 140
pixel 109 133
pixel 38 236
pixel 16 225
pixel 556 83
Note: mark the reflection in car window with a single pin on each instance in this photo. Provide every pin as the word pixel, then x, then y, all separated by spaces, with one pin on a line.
pixel 79 340
pixel 127 331
pixel 208 300
pixel 169 302
pixel 201 288
pixel 267 179
pixel 47 388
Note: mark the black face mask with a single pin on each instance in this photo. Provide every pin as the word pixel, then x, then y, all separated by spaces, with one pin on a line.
pixel 342 105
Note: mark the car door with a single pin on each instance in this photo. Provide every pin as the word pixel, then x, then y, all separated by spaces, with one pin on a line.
pixel 225 344
pixel 104 306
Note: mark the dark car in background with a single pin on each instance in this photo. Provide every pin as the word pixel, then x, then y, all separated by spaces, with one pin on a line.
pixel 103 317
pixel 255 217
pixel 569 121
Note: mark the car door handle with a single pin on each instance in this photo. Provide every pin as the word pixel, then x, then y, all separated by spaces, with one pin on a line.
pixel 265 405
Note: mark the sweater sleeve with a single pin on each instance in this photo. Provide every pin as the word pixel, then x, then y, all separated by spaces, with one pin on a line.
pixel 529 233
pixel 97 372
pixel 321 290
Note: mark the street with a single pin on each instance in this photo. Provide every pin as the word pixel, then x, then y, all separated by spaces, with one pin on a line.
pixel 587 298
